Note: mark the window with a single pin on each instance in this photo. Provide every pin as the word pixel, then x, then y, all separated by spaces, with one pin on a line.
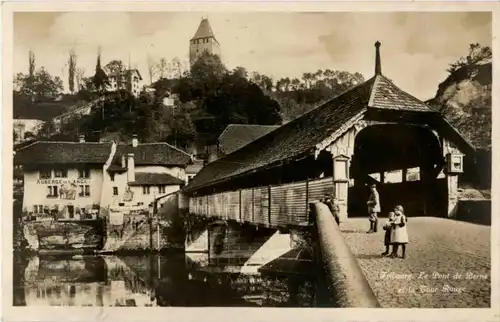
pixel 71 211
pixel 52 192
pixel 145 190
pixel 35 209
pixel 45 174
pixel 83 173
pixel 394 176
pixel 61 173
pixel 413 174
pixel 161 189
pixel 84 191
pixel 115 191
pixel 112 176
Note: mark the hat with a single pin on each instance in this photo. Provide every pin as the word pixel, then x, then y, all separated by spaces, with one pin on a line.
pixel 373 186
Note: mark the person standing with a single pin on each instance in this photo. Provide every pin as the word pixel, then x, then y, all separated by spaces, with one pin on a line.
pixel 373 204
pixel 399 232
pixel 388 232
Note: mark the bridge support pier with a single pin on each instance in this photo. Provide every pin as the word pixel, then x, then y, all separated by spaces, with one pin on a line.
pixel 244 248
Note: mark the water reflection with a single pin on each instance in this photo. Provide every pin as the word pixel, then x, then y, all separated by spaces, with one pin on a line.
pixel 154 280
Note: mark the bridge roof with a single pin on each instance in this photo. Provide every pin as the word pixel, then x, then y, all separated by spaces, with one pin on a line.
pixel 302 136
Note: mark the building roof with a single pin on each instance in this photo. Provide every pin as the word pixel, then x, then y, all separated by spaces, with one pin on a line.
pixel 204 30
pixel 301 136
pixel 151 178
pixel 236 136
pixel 51 152
pixel 159 153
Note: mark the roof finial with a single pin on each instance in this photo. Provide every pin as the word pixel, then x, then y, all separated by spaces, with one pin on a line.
pixel 378 67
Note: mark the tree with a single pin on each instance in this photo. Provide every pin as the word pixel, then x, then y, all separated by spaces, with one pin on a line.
pixel 241 72
pixel 206 75
pixel 114 67
pixel 238 100
pixel 151 68
pixel 263 81
pixel 100 79
pixel 29 136
pixel 176 67
pixel 162 67
pixel 182 130
pixel 30 82
pixel 79 76
pixel 477 54
pixel 71 70
pixel 40 87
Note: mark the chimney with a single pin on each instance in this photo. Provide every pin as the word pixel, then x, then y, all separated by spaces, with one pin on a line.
pixel 124 161
pixel 378 67
pixel 81 138
pixel 135 141
pixel 130 167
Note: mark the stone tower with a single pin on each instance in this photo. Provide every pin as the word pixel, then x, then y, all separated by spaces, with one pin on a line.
pixel 203 40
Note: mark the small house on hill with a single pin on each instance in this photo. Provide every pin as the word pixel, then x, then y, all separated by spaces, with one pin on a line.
pixel 349 141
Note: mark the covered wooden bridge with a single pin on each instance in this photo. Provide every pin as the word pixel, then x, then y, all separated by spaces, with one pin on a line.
pixel 337 149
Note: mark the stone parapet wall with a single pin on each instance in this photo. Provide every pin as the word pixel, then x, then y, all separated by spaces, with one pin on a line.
pixel 57 235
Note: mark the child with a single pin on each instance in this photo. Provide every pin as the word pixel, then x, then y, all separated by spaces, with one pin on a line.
pixel 388 230
pixel 399 235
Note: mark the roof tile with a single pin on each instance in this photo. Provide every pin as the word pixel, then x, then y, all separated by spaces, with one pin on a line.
pixel 150 178
pixel 45 152
pixel 236 136
pixel 386 95
pixel 160 153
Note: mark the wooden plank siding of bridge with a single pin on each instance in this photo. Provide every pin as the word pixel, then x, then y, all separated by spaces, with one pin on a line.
pixel 270 206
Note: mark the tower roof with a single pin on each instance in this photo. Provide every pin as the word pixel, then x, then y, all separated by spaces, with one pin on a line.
pixel 204 30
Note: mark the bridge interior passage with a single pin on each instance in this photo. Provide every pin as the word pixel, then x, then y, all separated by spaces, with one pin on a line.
pixel 380 150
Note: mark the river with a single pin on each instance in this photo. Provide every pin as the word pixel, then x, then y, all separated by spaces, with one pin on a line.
pixel 151 280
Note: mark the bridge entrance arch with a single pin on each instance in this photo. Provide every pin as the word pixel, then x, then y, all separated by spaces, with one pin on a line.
pixel 404 162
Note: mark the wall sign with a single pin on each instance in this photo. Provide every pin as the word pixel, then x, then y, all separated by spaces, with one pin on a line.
pixel 63 181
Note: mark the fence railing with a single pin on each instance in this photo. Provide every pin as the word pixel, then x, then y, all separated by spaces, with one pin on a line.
pixel 277 205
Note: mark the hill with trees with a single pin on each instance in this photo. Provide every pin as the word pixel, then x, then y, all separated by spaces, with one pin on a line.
pixel 464 97
pixel 210 96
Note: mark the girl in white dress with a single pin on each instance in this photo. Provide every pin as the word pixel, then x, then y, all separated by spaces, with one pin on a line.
pixel 399 234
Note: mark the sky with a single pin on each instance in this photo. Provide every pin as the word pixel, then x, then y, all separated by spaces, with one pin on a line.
pixel 416 46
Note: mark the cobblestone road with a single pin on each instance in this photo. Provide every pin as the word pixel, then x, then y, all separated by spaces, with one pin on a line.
pixel 437 246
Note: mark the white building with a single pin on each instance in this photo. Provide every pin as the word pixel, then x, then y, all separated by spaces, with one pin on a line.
pixel 129 79
pixel 75 179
